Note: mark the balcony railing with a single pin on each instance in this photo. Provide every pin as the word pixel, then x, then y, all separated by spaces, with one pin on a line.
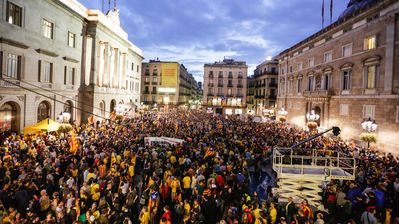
pixel 146 92
pixel 10 83
pixel 239 95
pixel 273 84
pixel 229 85
pixel 210 94
pixel 146 83
pixel 155 83
pixel 210 84
pixel 240 76
pixel 271 96
pixel 321 93
pixel 220 85
pixel 155 73
pixel 147 73
pixel 220 94
pixel 259 96
pixel 239 85
pixel 153 92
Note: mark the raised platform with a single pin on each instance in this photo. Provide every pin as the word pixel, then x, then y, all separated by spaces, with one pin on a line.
pixel 301 173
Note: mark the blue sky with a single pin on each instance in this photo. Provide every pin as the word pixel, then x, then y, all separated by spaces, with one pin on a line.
pixel 194 32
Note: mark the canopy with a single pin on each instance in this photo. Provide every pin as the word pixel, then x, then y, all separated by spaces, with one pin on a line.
pixel 46 125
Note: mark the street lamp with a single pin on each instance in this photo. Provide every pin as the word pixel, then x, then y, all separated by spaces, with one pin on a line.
pixel 64 117
pixel 369 125
pixel 312 116
pixel 282 112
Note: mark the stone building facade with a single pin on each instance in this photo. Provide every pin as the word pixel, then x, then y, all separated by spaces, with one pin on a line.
pixel 157 93
pixel 48 52
pixel 264 84
pixel 347 72
pixel 225 87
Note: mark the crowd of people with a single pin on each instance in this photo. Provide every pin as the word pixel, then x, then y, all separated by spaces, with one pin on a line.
pixel 212 177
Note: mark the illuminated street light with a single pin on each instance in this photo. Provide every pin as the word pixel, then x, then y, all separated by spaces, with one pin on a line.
pixel 64 117
pixel 312 116
pixel 369 125
pixel 282 112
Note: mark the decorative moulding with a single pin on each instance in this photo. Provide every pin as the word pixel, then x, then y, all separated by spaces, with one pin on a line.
pixel 13 43
pixel 46 52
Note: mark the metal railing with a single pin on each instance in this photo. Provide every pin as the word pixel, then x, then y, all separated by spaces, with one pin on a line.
pixel 323 163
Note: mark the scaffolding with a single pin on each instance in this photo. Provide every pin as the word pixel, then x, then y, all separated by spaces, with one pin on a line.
pixel 301 173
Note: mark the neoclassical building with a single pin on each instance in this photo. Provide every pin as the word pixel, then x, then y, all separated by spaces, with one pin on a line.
pixel 50 62
pixel 347 72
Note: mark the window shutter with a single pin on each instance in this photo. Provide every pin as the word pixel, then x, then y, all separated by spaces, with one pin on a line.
pixel 65 75
pixel 39 71
pixel 19 67
pixel 51 72
pixel 73 76
pixel 1 64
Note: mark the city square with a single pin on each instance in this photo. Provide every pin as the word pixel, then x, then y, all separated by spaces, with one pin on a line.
pixel 104 122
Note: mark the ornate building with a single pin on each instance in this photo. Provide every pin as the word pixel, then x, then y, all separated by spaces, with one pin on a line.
pixel 225 87
pixel 347 72
pixel 52 61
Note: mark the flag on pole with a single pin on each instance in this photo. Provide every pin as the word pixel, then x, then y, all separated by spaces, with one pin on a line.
pixel 90 119
pixel 176 128
pixel 331 10
pixel 112 115
pixel 322 14
pixel 74 146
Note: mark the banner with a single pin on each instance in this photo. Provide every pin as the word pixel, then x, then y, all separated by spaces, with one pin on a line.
pixel 169 74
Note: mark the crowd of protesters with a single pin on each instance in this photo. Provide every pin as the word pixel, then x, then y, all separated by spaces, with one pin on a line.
pixel 114 177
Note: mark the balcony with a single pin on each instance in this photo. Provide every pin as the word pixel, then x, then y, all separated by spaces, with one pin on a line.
pixel 239 85
pixel 273 84
pixel 317 93
pixel 239 95
pixel 210 84
pixel 154 73
pixel 240 76
pixel 230 76
pixel 210 94
pixel 220 85
pixel 259 96
pixel 220 76
pixel 272 97
pixel 220 94
pixel 154 83
pixel 153 92
pixel 146 92
pixel 230 95
pixel 147 73
pixel 9 83
pixel 211 76
pixel 229 85
pixel 146 83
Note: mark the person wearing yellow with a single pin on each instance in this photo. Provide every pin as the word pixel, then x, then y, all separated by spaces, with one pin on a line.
pixel 173 159
pixel 273 213
pixel 187 211
pixel 174 185
pixel 256 211
pixel 144 216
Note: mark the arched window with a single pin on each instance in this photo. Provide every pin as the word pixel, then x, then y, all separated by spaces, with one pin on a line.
pixel 43 111
pixel 9 117
pixel 102 109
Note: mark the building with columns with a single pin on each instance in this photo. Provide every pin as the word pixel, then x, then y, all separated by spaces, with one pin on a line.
pixel 347 72
pixel 50 62
pixel 112 65
pixel 225 87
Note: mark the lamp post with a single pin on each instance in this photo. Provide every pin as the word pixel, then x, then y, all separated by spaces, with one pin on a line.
pixel 312 119
pixel 64 117
pixel 283 113
pixel 370 127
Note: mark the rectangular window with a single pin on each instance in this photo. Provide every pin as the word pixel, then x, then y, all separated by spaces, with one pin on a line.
pixel 290 68
pixel 311 62
pixel 71 39
pixel 370 42
pixel 289 86
pixel 299 66
pixel 311 83
pixel 12 66
pixel 132 67
pixel 328 56
pixel 298 85
pixel 347 50
pixel 397 114
pixel 48 29
pixel 326 81
pixel 138 68
pixel 239 91
pixel 154 89
pixel 370 76
pixel 48 72
pixel 346 79
pixel 344 109
pixel 368 111
pixel 147 79
pixel 14 14
pixel 220 91
pixel 154 79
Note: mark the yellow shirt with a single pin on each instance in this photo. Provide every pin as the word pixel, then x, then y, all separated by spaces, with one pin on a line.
pixel 187 209
pixel 93 188
pixel 273 215
pixel 173 159
pixel 256 213
pixel 175 185
pixel 186 182
pixel 131 171
pixel 89 176
pixel 145 218
pixel 75 172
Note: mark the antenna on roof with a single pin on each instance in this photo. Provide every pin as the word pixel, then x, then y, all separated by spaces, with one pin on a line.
pixel 102 6
pixel 331 10
pixel 114 4
pixel 322 14
pixel 109 5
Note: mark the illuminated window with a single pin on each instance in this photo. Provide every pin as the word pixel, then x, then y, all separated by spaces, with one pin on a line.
pixel 71 39
pixel 48 72
pixel 370 42
pixel 48 29
pixel 14 14
pixel 12 66
pixel 370 76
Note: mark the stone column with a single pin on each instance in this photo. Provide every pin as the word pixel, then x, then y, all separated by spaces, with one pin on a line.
pixel 101 65
pixel 389 53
